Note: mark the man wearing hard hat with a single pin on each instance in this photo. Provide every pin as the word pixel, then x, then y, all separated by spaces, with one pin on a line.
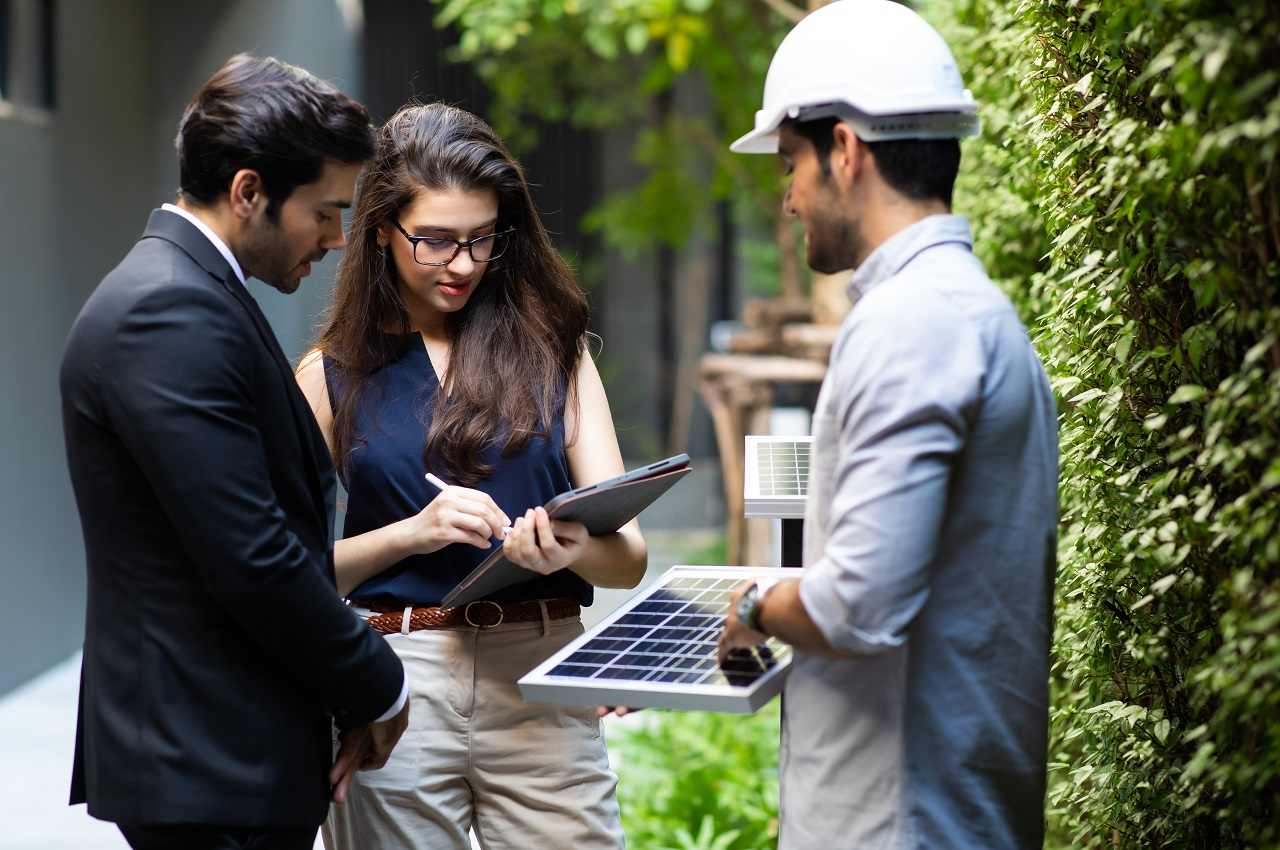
pixel 916 710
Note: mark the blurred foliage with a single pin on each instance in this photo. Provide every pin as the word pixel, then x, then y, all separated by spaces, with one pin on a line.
pixel 714 553
pixel 1126 193
pixel 698 781
pixel 615 65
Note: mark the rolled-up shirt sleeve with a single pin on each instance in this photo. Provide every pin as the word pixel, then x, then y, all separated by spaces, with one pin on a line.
pixel 906 382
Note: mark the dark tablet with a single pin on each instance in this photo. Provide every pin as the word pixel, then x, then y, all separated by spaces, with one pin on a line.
pixel 603 508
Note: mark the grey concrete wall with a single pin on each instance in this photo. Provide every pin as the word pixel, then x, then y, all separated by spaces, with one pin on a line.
pixel 39 547
pixel 72 201
pixel 190 40
pixel 76 192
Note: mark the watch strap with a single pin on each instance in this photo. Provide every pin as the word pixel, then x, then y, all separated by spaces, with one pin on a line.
pixel 762 588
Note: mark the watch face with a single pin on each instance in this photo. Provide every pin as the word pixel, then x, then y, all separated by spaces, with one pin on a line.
pixel 747 603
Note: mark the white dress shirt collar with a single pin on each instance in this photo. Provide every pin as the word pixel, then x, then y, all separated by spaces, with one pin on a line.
pixel 210 235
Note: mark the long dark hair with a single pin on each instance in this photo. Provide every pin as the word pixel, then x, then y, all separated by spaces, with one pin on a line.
pixel 516 343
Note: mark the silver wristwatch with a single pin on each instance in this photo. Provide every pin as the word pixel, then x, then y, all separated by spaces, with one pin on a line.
pixel 751 601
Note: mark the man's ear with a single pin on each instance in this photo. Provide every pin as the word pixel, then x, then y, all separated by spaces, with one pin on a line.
pixel 847 152
pixel 248 194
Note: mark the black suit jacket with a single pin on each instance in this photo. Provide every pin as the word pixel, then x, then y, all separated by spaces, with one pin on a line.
pixel 216 648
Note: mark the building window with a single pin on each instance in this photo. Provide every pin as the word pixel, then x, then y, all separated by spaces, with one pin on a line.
pixel 27 79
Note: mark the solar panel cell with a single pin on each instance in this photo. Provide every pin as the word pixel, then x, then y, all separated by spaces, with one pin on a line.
pixel 647 619
pixel 624 632
pixel 777 476
pixel 617 673
pixel 660 649
pixel 602 645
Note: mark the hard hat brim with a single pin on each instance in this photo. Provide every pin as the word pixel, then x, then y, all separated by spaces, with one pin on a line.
pixel 757 141
pixel 957 119
pixel 763 138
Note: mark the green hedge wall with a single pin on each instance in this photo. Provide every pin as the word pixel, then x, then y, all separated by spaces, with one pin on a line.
pixel 1126 193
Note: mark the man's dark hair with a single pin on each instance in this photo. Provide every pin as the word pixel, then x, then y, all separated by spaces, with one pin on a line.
pixel 921 169
pixel 275 118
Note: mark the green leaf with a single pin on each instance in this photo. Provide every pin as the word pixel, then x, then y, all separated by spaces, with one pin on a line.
pixel 1258 351
pixel 679 48
pixel 1071 232
pixel 637 37
pixel 1215 59
pixel 1187 393
pixel 1123 346
pixel 1087 395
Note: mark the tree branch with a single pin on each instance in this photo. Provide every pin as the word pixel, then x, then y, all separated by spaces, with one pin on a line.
pixel 786 9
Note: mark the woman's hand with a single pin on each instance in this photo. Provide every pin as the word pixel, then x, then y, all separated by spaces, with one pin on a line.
pixel 455 515
pixel 543 545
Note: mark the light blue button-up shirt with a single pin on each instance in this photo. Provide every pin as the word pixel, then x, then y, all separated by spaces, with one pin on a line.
pixel 929 557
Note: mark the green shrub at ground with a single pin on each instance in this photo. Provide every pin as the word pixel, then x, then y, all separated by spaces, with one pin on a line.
pixel 698 781
pixel 1126 193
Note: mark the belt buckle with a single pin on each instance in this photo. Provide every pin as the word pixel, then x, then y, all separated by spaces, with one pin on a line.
pixel 466 614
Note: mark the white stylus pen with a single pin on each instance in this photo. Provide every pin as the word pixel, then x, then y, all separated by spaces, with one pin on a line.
pixel 433 479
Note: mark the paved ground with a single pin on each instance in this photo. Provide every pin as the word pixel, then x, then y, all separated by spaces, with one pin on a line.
pixel 37 731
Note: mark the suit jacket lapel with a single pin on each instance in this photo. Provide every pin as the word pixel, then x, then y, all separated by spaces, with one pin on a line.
pixel 182 233
pixel 323 478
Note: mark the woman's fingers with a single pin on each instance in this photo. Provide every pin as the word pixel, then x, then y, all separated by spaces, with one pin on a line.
pixel 569 532
pixel 538 543
pixel 532 549
pixel 480 504
pixel 469 528
pixel 513 543
pixel 542 558
pixel 547 543
pixel 474 503
pixel 469 522
pixel 517 544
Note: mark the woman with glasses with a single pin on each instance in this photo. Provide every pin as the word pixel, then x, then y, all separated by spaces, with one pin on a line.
pixel 456 346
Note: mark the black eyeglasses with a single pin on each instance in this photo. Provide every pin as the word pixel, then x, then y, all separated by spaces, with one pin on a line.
pixel 441 250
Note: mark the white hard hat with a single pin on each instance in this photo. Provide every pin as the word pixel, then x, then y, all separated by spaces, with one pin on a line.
pixel 873 63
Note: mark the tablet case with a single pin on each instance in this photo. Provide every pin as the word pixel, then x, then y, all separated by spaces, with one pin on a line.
pixel 603 508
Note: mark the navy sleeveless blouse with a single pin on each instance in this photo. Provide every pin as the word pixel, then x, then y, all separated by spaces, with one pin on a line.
pixel 385 483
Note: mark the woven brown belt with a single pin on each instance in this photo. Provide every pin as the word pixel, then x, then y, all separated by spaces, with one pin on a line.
pixel 481 614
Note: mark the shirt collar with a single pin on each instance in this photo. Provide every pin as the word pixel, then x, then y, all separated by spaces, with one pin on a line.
pixel 901 248
pixel 210 235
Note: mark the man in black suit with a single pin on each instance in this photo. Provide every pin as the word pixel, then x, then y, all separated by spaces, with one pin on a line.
pixel 217 654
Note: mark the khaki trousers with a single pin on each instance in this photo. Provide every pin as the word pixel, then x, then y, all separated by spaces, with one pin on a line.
pixel 524 775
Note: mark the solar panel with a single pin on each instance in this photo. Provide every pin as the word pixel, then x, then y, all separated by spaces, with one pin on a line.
pixel 776 478
pixel 658 650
